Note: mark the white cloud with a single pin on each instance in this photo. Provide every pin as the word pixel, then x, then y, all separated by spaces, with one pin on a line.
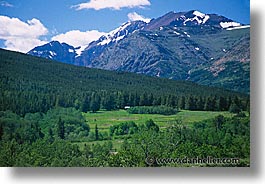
pixel 22 45
pixel 112 4
pixel 135 16
pixel 77 38
pixel 21 36
pixel 6 4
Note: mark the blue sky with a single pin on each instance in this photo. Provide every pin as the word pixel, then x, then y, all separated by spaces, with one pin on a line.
pixel 75 19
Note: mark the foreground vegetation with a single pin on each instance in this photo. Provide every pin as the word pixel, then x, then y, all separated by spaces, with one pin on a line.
pixel 28 142
pixel 52 114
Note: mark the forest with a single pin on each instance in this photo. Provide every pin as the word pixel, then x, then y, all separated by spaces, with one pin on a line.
pixel 49 117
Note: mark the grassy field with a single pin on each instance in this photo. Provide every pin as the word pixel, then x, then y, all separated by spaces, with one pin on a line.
pixel 105 119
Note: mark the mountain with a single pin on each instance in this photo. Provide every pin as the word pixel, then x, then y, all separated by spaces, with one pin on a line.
pixel 56 51
pixel 191 18
pixel 205 56
pixel 96 48
pixel 208 49
pixel 82 56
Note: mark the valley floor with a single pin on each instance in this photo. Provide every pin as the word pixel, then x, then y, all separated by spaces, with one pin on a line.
pixel 105 119
pixel 120 139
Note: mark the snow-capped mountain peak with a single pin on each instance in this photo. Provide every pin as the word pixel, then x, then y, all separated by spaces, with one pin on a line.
pixel 120 32
pixel 199 14
pixel 191 19
pixel 115 35
pixel 55 51
pixel 197 17
pixel 119 29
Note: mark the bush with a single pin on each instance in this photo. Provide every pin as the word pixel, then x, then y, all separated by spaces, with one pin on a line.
pixel 123 128
pixel 164 110
pixel 234 109
pixel 241 115
pixel 150 125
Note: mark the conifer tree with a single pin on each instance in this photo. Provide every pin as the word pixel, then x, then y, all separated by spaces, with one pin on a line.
pixel 61 129
pixel 96 133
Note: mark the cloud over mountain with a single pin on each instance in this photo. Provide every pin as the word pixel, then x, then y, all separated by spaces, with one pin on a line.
pixel 112 4
pixel 21 36
pixel 77 38
pixel 135 16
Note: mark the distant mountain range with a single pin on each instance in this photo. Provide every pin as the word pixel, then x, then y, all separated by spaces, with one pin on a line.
pixel 208 49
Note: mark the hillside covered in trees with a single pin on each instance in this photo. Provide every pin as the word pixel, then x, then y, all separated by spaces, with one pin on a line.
pixel 44 109
pixel 31 84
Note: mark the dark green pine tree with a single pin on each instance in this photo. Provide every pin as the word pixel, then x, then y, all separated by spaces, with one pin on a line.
pixel 150 99
pixel 171 101
pixel 120 101
pixel 143 100
pixel 182 103
pixel 229 102
pixel 136 100
pixel 248 106
pixel 85 105
pixel 108 102
pixel 96 133
pixel 131 99
pixel 222 104
pixel 61 129
pixel 190 104
pixel 51 136
pixel 1 131
pixel 200 104
pixel 219 120
pixel 95 103
pixel 208 104
pixel 215 104
pixel 157 101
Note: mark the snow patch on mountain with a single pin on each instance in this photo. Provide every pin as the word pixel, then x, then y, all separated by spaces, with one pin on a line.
pixel 115 35
pixel 79 50
pixel 52 53
pixel 200 18
pixel 71 50
pixel 186 34
pixel 206 18
pixel 240 27
pixel 198 14
pixel 229 24
pixel 177 33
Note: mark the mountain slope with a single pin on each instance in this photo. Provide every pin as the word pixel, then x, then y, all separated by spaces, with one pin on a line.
pixel 22 67
pixel 181 54
pixel 31 84
pixel 96 48
pixel 208 49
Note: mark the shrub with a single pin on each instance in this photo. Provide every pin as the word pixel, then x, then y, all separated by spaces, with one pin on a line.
pixel 164 110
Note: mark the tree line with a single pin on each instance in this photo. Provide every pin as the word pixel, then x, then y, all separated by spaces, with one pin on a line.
pixel 30 84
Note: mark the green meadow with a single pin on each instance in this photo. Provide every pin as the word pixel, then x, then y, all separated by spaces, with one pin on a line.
pixel 105 119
